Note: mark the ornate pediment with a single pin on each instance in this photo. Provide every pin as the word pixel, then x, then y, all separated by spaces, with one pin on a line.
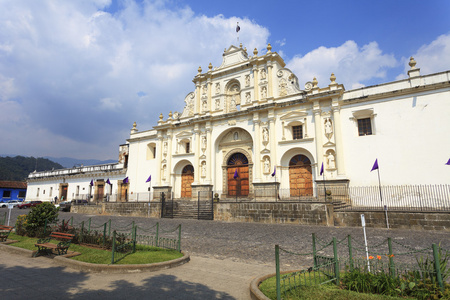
pixel 188 110
pixel 184 133
pixel 236 136
pixel 232 56
pixel 287 83
pixel 293 115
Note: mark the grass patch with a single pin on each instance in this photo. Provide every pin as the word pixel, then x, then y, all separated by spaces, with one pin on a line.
pixel 143 255
pixel 322 292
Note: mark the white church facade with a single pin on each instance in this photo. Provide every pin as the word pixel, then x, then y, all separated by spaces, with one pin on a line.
pixel 249 125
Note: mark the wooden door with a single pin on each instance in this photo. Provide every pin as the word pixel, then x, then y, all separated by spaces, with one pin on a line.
pixel 123 192
pixel 187 178
pixel 63 196
pixel 100 192
pixel 300 176
pixel 238 186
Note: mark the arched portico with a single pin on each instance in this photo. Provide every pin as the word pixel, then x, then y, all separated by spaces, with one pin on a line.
pixel 235 144
pixel 297 167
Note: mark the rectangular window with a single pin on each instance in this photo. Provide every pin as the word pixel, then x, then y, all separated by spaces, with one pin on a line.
pixel 77 193
pixel 51 191
pixel 188 147
pixel 364 127
pixel 6 194
pixel 37 193
pixel 22 194
pixel 297 132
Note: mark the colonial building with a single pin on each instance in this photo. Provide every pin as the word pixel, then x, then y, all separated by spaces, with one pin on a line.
pixel 249 125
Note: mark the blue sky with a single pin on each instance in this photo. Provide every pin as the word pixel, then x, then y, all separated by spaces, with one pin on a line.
pixel 75 75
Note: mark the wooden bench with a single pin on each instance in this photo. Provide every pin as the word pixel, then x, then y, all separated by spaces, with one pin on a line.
pixel 4 232
pixel 64 240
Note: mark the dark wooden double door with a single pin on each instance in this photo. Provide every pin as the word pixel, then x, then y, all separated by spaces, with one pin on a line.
pixel 238 175
pixel 300 176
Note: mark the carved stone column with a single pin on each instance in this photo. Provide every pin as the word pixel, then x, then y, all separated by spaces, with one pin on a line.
pixel 318 133
pixel 208 152
pixel 159 157
pixel 257 163
pixel 255 83
pixel 338 138
pixel 197 105
pixel 169 158
pixel 269 78
pixel 209 95
pixel 197 152
pixel 273 141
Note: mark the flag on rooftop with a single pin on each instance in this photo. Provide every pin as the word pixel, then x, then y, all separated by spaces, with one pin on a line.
pixel 237 27
pixel 149 179
pixel 375 165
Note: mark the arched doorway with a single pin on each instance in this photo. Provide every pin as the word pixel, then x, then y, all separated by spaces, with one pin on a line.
pixel 237 170
pixel 187 178
pixel 300 176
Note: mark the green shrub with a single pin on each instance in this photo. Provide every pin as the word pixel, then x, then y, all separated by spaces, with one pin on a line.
pixel 21 222
pixel 40 216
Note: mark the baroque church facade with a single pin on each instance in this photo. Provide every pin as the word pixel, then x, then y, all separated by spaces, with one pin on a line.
pixel 249 125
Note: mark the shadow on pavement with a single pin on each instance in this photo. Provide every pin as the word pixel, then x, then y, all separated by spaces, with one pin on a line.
pixel 20 282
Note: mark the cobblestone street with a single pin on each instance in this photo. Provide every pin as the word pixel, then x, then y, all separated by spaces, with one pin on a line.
pixel 254 242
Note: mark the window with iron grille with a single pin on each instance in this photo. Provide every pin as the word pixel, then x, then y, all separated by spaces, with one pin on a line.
pixel 297 132
pixel 364 126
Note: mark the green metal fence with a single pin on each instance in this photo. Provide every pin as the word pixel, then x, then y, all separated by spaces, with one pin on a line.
pixel 331 259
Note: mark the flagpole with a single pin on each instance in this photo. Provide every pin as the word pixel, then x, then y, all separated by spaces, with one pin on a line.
pixel 324 187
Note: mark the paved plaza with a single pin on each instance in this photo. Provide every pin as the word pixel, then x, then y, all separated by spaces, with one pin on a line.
pixel 225 257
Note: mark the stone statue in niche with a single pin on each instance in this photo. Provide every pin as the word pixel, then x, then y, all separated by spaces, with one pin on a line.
pixel 217 104
pixel 248 97
pixel 203 142
pixel 331 161
pixel 233 103
pixel 204 89
pixel 328 128
pixel 263 74
pixel 176 115
pixel 266 165
pixel 217 88
pixel 263 92
pixel 165 148
pixel 205 106
pixel 265 134
pixel 247 80
pixel 203 169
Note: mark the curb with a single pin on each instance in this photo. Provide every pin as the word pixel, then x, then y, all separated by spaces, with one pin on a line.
pixel 255 292
pixel 107 269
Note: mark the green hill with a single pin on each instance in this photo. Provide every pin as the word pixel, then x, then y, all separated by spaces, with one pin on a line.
pixel 17 168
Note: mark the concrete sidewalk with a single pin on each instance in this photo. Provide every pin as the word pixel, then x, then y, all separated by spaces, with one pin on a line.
pixel 201 278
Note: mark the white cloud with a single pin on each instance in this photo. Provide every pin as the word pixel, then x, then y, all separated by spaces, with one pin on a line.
pixel 64 62
pixel 432 58
pixel 351 64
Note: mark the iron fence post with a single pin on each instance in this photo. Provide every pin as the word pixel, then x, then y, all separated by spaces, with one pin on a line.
pixel 109 227
pixel 350 252
pixel 134 239
pixel 336 261
pixel 277 267
pixel 314 249
pixel 113 247
pixel 179 238
pixel 157 234
pixel 437 266
pixel 391 259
